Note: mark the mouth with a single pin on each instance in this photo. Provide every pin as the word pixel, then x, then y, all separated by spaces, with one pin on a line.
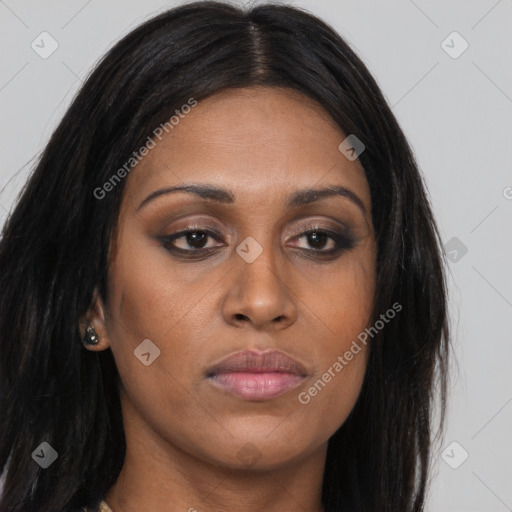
pixel 253 375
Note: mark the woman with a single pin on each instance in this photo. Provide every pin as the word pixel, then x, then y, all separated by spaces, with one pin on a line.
pixel 222 286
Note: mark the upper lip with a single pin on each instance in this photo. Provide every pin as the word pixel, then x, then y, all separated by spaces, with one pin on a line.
pixel 258 362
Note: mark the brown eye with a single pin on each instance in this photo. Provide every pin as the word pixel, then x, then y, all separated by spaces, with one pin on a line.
pixel 191 240
pixel 318 240
pixel 195 239
pixel 325 242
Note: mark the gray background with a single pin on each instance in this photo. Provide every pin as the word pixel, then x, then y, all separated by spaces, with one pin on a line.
pixel 456 113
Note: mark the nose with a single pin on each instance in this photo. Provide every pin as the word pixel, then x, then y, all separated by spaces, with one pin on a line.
pixel 260 294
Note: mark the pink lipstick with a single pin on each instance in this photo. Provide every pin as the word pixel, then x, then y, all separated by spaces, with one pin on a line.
pixel 253 375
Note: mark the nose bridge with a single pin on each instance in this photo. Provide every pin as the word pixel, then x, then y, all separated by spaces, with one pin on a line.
pixel 259 292
pixel 259 268
pixel 259 262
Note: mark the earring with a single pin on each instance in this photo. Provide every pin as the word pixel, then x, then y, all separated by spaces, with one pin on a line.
pixel 91 336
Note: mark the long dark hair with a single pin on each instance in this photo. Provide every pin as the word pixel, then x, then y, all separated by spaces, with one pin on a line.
pixel 54 252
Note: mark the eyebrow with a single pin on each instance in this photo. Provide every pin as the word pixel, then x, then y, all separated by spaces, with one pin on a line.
pixel 224 196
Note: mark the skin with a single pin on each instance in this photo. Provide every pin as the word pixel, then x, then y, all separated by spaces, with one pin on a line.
pixel 183 434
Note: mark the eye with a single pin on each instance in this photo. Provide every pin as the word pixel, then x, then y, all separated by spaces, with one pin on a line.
pixel 196 241
pixel 325 242
pixel 191 240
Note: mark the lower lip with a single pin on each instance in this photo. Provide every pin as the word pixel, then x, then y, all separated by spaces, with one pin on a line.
pixel 256 386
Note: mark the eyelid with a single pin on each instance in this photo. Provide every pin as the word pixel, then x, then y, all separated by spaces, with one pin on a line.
pixel 197 226
pixel 319 225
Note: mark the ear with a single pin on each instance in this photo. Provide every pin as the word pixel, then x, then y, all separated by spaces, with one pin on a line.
pixel 96 317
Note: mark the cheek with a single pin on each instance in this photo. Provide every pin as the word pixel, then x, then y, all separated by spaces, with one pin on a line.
pixel 150 300
pixel 153 302
pixel 338 346
pixel 341 302
pixel 150 296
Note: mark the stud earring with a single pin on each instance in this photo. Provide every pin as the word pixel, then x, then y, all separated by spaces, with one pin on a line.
pixel 91 336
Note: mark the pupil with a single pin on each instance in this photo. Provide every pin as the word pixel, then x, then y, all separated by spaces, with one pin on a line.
pixel 318 239
pixel 195 239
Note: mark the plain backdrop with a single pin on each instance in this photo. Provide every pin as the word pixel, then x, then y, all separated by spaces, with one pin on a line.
pixel 455 106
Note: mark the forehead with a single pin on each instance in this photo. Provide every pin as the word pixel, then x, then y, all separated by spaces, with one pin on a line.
pixel 257 141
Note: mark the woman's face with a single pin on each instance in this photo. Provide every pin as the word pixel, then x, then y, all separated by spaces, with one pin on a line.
pixel 247 279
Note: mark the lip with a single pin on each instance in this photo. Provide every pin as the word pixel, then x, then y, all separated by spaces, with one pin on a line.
pixel 254 375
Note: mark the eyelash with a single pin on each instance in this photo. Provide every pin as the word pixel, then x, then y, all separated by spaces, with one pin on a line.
pixel 342 242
